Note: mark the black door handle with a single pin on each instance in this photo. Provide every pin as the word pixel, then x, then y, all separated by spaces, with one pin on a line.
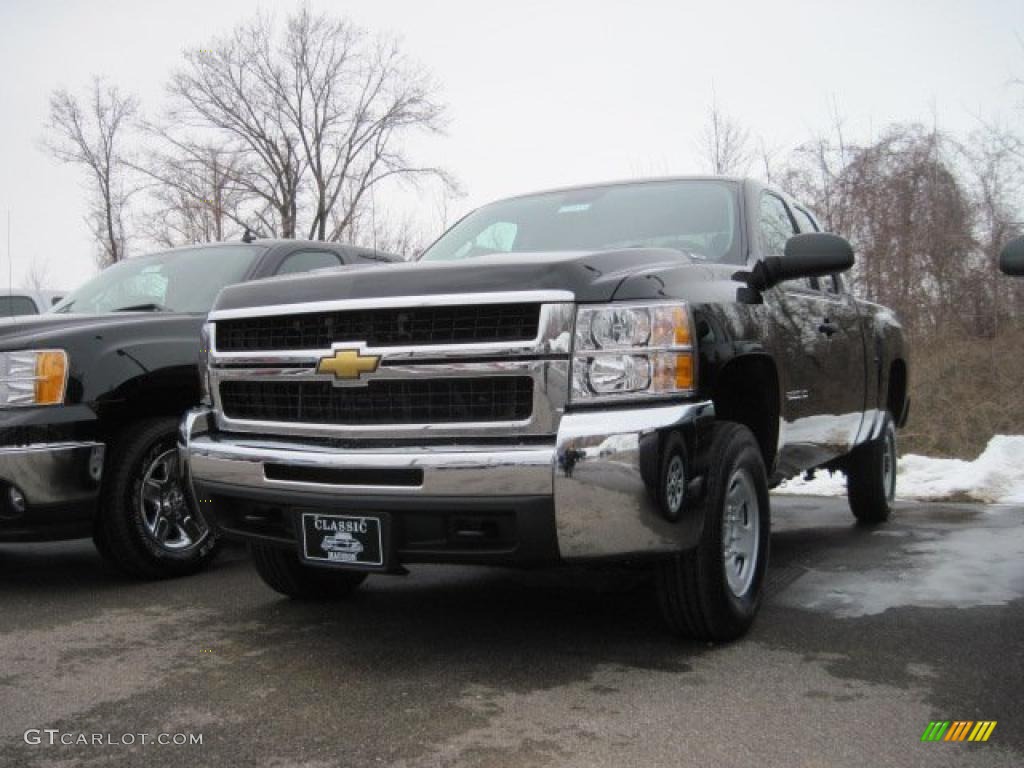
pixel 828 327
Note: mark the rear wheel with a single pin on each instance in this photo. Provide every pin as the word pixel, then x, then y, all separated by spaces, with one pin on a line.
pixel 713 592
pixel 871 476
pixel 283 572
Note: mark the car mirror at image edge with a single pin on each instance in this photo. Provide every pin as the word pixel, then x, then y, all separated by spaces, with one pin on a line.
pixel 1011 258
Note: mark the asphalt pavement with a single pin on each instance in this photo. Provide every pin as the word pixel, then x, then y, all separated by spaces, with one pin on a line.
pixel 865 637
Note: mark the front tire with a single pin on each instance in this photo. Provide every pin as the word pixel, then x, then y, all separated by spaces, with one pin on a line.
pixel 713 592
pixel 283 572
pixel 871 477
pixel 147 526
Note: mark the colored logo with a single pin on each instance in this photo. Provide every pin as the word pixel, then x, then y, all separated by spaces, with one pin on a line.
pixel 958 730
pixel 348 364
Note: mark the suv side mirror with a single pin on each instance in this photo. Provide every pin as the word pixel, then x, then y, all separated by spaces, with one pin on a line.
pixel 1011 258
pixel 813 254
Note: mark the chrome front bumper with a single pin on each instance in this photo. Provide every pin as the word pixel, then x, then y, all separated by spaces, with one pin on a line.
pixel 599 473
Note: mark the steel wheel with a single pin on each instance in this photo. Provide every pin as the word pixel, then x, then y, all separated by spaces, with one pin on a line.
pixel 889 465
pixel 740 532
pixel 166 515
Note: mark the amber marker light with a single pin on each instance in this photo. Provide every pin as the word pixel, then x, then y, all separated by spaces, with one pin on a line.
pixel 51 376
pixel 673 372
pixel 684 369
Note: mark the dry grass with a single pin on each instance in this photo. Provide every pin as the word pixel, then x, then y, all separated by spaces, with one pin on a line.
pixel 964 390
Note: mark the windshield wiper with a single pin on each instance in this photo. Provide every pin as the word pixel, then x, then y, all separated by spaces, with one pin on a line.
pixel 151 307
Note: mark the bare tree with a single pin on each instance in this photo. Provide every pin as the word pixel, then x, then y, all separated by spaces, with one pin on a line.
pixel 993 173
pixel 724 144
pixel 814 173
pixel 767 158
pixel 902 203
pixel 92 135
pixel 193 190
pixel 316 116
pixel 38 276
pixel 391 231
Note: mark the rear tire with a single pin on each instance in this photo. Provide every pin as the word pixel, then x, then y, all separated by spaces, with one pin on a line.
pixel 871 477
pixel 713 592
pixel 283 572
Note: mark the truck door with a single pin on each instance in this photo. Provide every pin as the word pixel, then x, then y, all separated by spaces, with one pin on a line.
pixel 844 387
pixel 810 432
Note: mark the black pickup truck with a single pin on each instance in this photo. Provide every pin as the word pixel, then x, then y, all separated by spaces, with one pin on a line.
pixel 606 373
pixel 92 392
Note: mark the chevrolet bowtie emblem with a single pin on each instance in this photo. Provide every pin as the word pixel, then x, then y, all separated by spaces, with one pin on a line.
pixel 348 364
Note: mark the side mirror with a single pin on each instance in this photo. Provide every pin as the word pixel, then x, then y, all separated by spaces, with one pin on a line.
pixel 1011 258
pixel 814 254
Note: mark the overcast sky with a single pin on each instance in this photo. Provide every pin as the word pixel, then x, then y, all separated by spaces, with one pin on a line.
pixel 541 93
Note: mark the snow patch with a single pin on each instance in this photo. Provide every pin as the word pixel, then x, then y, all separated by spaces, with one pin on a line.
pixel 996 476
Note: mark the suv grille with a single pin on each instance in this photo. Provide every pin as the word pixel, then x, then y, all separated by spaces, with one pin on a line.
pixel 405 326
pixel 386 401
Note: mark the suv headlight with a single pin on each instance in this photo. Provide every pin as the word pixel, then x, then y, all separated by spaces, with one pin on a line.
pixel 632 350
pixel 33 377
pixel 205 339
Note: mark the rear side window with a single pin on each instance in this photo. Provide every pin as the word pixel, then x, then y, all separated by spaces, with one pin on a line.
pixel 11 306
pixel 304 261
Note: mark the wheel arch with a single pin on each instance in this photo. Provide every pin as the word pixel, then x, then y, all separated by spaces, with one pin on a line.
pixel 746 391
pixel 167 393
pixel 896 391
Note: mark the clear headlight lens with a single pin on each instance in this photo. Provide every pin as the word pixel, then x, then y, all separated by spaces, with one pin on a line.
pixel 33 377
pixel 205 339
pixel 637 350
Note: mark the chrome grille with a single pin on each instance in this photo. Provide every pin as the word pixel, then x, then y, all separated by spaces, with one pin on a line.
pixel 446 366
pixel 389 401
pixel 391 327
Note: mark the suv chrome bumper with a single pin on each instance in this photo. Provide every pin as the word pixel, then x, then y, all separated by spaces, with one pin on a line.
pixel 598 473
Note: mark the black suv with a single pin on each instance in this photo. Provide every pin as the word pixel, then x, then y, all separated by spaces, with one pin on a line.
pixel 91 395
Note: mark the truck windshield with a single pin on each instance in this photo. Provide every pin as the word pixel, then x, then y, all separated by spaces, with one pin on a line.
pixel 173 281
pixel 698 217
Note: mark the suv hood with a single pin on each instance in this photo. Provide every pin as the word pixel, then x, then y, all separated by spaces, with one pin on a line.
pixel 589 276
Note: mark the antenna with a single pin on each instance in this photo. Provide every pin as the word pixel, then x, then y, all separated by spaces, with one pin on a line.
pixel 10 266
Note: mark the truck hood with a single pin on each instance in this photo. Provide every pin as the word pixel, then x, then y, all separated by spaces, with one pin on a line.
pixel 17 332
pixel 589 276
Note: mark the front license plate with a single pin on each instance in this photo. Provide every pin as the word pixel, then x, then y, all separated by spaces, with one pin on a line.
pixel 342 539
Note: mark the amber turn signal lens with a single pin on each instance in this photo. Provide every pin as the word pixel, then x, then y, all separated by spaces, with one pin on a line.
pixel 51 375
pixel 673 372
pixel 684 371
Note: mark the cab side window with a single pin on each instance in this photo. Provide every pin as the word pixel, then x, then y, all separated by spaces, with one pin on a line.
pixel 776 225
pixel 304 261
pixel 804 220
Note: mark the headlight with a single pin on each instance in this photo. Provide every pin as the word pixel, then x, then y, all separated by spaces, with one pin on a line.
pixel 33 377
pixel 205 339
pixel 632 350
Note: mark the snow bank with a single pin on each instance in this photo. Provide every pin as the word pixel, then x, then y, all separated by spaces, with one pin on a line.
pixel 997 475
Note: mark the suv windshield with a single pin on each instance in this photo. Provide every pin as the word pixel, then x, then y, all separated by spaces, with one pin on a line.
pixel 695 216
pixel 174 281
